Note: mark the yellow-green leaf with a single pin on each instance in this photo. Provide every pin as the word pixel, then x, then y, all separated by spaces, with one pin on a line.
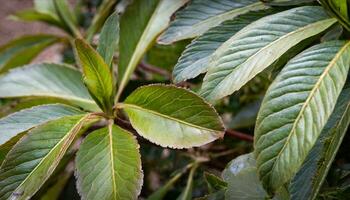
pixel 97 75
pixel 172 117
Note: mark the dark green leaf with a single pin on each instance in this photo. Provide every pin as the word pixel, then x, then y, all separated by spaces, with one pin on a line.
pixel 100 17
pixel 337 10
pixel 148 19
pixel 186 194
pixel 201 15
pixel 308 181
pixel 173 117
pixel 109 39
pixel 287 2
pixel 295 109
pixel 109 165
pixel 161 192
pixel 33 159
pixel 97 75
pixel 16 123
pixel 214 183
pixel 219 195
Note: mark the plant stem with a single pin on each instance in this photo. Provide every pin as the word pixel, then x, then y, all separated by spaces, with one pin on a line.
pixel 155 70
pixel 239 135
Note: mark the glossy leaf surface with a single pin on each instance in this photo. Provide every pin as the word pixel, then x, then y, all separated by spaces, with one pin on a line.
pixel 97 75
pixel 47 80
pixel 148 19
pixel 109 158
pixel 295 109
pixel 173 117
pixel 195 59
pixel 258 46
pixel 33 159
pixel 201 15
pixel 308 181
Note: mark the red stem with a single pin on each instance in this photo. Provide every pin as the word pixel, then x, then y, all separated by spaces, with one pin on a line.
pixel 155 70
pixel 239 135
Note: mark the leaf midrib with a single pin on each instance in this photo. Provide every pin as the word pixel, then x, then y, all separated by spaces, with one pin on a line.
pixel 309 98
pixel 123 105
pixel 69 133
pixel 309 26
pixel 97 73
pixel 65 97
pixel 133 57
pixel 110 138
pixel 224 15
pixel 128 70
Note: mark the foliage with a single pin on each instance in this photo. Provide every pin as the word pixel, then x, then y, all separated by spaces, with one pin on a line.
pixel 277 68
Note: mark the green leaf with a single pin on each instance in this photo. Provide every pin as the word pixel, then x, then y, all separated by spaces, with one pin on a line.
pixel 245 185
pixel 287 2
pixel 44 11
pixel 237 165
pixel 30 15
pixel 54 192
pixel 333 6
pixel 201 15
pixel 242 179
pixel 67 17
pixel 258 46
pixel 342 7
pixel 219 195
pixel 47 80
pixel 194 60
pixel 109 158
pixel 22 50
pixel 172 117
pixel 295 109
pixel 148 19
pixel 243 182
pixel 186 194
pixel 100 17
pixel 109 39
pixel 161 192
pixel 33 159
pixel 214 183
pixel 334 33
pixel 308 181
pixel 46 6
pixel 97 75
pixel 16 123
